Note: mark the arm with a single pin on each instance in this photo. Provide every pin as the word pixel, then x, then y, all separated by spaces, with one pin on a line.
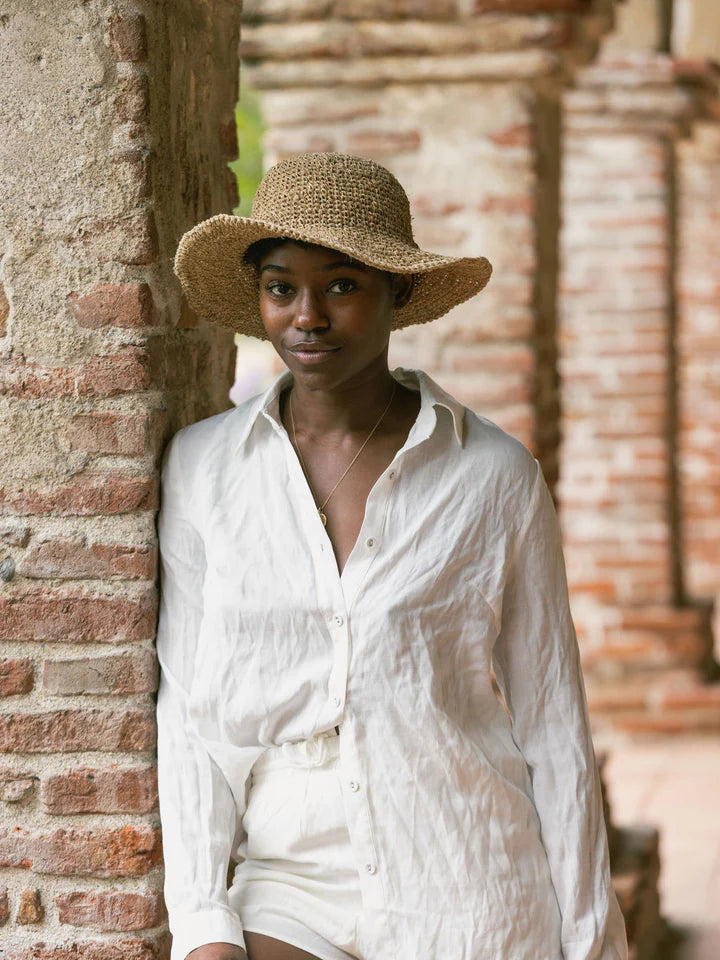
pixel 537 665
pixel 197 808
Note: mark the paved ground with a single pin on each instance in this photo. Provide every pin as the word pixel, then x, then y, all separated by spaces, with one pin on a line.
pixel 675 784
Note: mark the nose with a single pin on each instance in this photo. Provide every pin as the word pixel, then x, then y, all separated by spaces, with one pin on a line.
pixel 309 313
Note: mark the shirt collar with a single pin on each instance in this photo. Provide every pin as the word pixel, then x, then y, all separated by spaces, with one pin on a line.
pixel 431 396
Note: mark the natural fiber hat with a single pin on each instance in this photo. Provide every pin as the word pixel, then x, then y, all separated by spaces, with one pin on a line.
pixel 342 202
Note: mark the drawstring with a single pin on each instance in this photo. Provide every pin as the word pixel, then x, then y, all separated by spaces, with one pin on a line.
pixel 314 750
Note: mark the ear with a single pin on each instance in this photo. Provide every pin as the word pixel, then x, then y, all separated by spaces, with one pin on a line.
pixel 402 288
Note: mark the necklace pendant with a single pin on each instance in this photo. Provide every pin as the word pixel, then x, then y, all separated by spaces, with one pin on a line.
pixel 322 517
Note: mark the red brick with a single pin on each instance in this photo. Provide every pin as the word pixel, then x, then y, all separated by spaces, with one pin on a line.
pixel 130 239
pixel 16 676
pixel 15 533
pixel 130 851
pixel 127 790
pixel 110 433
pixel 16 785
pixel 4 311
pixel 125 949
pixel 72 616
pixel 133 99
pixel 87 494
pixel 30 909
pixel 116 304
pixel 68 731
pixel 123 673
pixel 68 559
pixel 383 141
pixel 111 910
pixel 517 135
pixel 128 37
pixel 4 907
pixel 106 375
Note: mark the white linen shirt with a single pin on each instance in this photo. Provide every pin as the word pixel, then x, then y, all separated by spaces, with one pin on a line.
pixel 476 837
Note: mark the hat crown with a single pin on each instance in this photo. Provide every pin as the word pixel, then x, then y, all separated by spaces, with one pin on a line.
pixel 336 194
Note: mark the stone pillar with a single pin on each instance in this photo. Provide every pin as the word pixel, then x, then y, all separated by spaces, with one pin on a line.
pixel 698 349
pixel 645 649
pixel 460 100
pixel 114 143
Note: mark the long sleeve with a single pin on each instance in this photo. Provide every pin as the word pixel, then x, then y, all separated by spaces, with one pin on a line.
pixel 537 664
pixel 198 811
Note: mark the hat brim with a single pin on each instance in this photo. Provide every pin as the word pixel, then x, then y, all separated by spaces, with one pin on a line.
pixel 222 287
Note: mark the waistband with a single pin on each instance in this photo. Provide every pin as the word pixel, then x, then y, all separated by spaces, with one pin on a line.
pixel 313 752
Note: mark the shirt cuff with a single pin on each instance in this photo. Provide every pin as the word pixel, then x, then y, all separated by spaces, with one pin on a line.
pixel 220 925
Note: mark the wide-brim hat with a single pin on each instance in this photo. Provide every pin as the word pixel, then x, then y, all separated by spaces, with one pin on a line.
pixel 343 202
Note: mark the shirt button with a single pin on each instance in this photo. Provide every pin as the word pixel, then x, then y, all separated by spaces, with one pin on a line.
pixel 370 542
pixel 392 475
pixel 335 701
pixel 338 619
pixel 354 786
pixel 370 868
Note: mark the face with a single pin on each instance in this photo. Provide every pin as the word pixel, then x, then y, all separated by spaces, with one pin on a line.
pixel 328 317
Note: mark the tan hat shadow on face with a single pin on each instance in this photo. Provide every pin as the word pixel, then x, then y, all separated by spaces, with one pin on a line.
pixel 345 203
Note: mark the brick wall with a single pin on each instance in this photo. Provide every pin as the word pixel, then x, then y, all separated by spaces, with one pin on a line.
pixel 120 115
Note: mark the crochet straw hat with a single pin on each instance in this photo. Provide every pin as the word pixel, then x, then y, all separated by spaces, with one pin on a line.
pixel 334 200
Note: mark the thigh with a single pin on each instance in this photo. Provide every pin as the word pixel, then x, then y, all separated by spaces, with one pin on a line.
pixel 261 947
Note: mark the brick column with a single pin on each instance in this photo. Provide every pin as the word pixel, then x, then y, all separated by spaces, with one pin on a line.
pixel 698 348
pixel 117 112
pixel 460 100
pixel 645 649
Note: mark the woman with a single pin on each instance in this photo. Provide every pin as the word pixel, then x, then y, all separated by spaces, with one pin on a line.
pixel 343 559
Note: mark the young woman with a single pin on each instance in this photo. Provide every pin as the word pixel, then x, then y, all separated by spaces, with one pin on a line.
pixel 345 559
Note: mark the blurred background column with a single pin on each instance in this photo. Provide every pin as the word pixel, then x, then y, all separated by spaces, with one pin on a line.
pixel 638 492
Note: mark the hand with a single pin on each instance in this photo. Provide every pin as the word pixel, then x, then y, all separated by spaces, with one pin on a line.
pixel 217 951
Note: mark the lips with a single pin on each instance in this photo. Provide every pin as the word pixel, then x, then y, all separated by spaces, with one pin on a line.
pixel 311 352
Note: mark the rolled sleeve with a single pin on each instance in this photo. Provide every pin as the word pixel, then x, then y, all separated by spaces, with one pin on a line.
pixel 537 665
pixel 198 811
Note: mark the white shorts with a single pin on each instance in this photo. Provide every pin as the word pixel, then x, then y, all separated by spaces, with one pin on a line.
pixel 299 881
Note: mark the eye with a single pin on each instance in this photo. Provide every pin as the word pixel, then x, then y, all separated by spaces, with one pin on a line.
pixel 342 286
pixel 278 288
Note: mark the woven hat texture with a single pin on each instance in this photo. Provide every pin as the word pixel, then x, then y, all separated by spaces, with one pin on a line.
pixel 343 202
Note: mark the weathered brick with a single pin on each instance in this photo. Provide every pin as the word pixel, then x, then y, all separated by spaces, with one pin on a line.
pixel 16 676
pixel 111 910
pixel 126 370
pixel 116 790
pixel 15 533
pixel 116 304
pixel 126 852
pixel 86 494
pixel 375 142
pixel 70 559
pixel 124 949
pixel 68 731
pixel 122 673
pixel 110 432
pixel 128 37
pixel 130 239
pixel 4 311
pixel 71 615
pixel 30 909
pixel 16 785
pixel 4 907
pixel 133 98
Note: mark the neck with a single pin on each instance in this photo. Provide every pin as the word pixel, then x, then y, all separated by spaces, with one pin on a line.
pixel 350 408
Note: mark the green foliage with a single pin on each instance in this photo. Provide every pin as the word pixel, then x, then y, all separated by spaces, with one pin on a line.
pixel 248 168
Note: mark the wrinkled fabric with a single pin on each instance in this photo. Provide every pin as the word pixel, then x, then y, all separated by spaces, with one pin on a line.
pixel 477 831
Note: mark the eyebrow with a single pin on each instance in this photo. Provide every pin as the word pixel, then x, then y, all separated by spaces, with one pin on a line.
pixel 350 264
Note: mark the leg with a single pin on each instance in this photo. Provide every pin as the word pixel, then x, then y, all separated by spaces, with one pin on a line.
pixel 260 947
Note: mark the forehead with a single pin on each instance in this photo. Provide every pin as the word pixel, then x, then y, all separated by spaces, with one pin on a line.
pixel 290 253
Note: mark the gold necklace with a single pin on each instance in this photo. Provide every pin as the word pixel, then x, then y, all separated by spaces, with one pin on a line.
pixel 322 506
